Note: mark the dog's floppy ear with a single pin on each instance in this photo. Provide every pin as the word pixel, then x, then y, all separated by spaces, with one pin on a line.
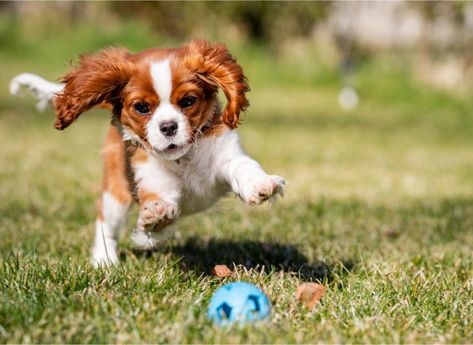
pixel 214 64
pixel 98 79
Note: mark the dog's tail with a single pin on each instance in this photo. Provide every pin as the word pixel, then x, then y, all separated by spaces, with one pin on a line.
pixel 43 90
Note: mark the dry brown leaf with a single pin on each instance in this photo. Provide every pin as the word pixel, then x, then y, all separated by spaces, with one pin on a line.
pixel 221 271
pixel 391 233
pixel 309 294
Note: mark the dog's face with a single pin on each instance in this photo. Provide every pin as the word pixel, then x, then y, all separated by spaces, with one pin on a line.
pixel 162 98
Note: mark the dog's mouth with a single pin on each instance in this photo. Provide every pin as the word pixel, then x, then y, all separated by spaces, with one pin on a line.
pixel 171 147
pixel 173 151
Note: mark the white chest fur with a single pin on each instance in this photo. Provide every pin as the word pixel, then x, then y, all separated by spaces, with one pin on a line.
pixel 199 172
pixel 195 181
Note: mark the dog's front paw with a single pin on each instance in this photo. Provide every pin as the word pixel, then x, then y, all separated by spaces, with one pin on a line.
pixel 266 188
pixel 157 214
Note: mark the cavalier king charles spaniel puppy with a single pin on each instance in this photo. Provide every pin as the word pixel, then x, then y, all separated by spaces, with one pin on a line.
pixel 170 147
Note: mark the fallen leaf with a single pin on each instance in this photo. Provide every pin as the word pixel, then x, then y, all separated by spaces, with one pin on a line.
pixel 391 233
pixel 221 271
pixel 309 294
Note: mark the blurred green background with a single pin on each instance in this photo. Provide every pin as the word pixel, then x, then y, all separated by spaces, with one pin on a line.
pixel 385 184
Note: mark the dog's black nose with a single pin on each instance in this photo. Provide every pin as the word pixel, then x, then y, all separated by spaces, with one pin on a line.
pixel 168 128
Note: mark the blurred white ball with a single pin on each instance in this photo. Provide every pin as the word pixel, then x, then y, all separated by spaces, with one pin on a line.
pixel 348 98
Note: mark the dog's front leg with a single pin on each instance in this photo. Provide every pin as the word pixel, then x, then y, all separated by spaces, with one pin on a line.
pixel 158 193
pixel 245 176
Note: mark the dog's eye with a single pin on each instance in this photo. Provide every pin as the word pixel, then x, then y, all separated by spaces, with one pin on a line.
pixel 187 101
pixel 141 108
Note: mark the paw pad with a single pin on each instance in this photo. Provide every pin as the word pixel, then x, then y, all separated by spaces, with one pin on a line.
pixel 155 215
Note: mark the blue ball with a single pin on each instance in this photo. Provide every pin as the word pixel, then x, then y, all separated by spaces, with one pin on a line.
pixel 238 302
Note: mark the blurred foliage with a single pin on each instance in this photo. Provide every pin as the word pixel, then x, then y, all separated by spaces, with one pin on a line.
pixel 315 40
pixel 432 9
pixel 262 21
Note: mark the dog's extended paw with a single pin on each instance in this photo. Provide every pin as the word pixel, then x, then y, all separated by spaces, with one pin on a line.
pixel 266 188
pixel 157 214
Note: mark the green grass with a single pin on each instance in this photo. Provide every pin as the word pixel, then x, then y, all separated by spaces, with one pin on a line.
pixel 379 208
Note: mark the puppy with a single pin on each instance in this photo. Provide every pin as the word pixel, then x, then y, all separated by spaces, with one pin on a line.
pixel 170 147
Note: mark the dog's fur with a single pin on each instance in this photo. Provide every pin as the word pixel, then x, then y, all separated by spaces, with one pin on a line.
pixel 170 147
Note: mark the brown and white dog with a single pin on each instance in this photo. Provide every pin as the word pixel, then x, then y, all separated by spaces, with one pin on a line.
pixel 170 146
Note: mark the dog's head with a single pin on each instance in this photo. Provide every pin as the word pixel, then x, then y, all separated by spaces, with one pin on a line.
pixel 163 98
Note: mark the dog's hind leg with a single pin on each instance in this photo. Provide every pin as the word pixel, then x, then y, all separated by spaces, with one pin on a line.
pixel 42 89
pixel 114 203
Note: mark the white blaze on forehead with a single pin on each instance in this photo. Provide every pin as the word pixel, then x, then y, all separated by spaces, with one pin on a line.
pixel 162 80
pixel 161 77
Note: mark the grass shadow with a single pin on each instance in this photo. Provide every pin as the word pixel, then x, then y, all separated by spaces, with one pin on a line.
pixel 201 255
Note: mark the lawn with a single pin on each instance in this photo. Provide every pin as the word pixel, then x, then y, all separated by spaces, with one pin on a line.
pixel 379 208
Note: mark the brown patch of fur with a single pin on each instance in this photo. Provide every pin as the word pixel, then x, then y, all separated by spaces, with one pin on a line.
pixel 139 89
pixel 186 83
pixel 139 155
pixel 216 66
pixel 144 196
pixel 115 170
pixel 99 210
pixel 98 79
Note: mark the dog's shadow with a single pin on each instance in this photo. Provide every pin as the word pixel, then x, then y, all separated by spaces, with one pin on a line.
pixel 200 255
